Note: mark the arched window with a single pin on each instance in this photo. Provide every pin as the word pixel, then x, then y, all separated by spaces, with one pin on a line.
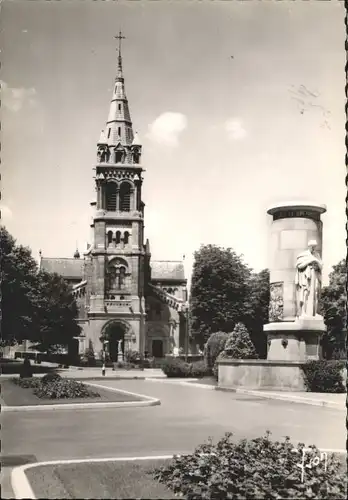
pixel 118 237
pixel 136 156
pixel 126 238
pixel 125 197
pixel 109 237
pixel 110 196
pixel 122 278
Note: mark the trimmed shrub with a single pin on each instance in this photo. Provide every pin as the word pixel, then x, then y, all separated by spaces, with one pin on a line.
pixel 174 367
pixel 239 345
pixel 26 370
pixel 199 369
pixel 64 389
pixel 89 354
pixel 214 345
pixel 253 469
pixel 324 376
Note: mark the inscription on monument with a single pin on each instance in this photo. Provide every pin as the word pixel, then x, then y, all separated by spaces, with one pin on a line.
pixel 287 214
pixel 276 302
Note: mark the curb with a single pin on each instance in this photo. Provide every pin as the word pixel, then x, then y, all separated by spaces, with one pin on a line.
pixel 283 397
pixel 146 401
pixel 191 382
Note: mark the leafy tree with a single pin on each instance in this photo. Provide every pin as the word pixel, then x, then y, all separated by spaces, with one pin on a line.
pixel 256 310
pixel 18 282
pixel 239 345
pixel 36 305
pixel 333 308
pixel 218 291
pixel 54 311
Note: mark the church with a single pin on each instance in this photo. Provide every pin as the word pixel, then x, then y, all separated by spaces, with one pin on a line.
pixel 126 301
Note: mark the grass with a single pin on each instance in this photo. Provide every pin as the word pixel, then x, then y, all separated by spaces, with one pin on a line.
pixel 113 480
pixel 13 395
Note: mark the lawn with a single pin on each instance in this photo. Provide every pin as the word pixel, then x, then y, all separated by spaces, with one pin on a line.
pixel 114 480
pixel 13 395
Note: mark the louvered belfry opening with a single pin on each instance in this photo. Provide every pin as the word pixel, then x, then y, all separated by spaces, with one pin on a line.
pixel 111 196
pixel 125 197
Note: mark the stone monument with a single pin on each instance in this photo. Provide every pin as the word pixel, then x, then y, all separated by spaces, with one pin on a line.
pixel 295 326
pixel 119 351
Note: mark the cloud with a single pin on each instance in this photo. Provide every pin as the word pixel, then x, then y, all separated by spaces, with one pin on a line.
pixel 6 213
pixel 167 128
pixel 15 98
pixel 235 130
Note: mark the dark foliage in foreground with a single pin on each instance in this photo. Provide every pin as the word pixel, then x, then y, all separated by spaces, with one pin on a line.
pixel 250 469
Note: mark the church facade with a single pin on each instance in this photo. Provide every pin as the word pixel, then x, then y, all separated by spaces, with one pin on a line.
pixel 123 296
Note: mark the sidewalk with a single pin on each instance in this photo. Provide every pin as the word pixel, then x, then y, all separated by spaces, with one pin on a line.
pixel 333 401
pixel 96 373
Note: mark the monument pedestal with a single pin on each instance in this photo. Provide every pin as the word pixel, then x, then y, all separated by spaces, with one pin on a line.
pixel 297 340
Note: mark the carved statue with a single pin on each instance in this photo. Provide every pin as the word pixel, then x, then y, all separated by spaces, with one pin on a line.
pixel 119 346
pixel 308 281
pixel 99 155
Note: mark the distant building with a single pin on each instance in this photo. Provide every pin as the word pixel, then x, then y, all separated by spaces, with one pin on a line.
pixel 121 293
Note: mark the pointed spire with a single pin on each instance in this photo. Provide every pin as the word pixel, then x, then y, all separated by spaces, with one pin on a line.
pixel 136 140
pixel 147 247
pixel 119 123
pixel 102 138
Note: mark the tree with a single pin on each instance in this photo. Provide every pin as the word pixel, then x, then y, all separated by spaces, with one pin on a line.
pixel 18 281
pixel 256 310
pixel 36 305
pixel 239 345
pixel 218 291
pixel 54 312
pixel 333 308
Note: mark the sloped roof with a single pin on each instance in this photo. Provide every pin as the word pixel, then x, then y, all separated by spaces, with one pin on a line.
pixel 162 270
pixel 68 268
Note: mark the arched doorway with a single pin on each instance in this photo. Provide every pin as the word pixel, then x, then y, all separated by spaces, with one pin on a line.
pixel 115 333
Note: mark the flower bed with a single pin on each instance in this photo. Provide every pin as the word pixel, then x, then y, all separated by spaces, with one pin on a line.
pixel 257 468
pixel 55 387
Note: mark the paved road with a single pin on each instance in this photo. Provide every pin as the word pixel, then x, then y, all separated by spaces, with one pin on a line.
pixel 186 417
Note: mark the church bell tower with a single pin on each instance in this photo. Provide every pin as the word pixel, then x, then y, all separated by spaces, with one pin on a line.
pixel 117 253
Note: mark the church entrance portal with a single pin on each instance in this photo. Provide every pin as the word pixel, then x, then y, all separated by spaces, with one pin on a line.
pixel 115 333
pixel 157 348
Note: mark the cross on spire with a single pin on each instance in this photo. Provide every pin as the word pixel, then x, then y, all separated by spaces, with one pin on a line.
pixel 119 37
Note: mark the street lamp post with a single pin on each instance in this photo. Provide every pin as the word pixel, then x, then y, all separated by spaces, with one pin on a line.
pixel 103 367
pixel 186 311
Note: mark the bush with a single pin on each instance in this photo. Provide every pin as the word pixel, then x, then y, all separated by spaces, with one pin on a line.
pixel 324 376
pixel 26 370
pixel 199 369
pixel 250 469
pixel 133 357
pixel 215 344
pixel 174 367
pixel 89 354
pixel 239 345
pixel 50 377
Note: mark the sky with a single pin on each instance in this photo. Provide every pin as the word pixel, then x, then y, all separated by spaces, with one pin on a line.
pixel 238 105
